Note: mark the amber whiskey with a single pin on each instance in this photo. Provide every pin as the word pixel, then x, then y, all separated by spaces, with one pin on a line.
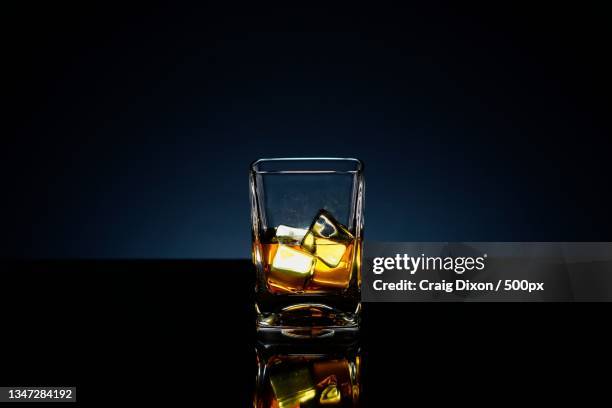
pixel 320 264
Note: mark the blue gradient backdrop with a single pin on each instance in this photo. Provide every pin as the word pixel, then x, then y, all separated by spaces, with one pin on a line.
pixel 132 131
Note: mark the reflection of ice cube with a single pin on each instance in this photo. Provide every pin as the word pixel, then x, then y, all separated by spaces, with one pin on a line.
pixel 292 387
pixel 291 267
pixel 330 395
pixel 338 369
pixel 288 235
pixel 333 376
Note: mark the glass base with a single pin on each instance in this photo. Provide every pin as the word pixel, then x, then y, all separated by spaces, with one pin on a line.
pixel 308 320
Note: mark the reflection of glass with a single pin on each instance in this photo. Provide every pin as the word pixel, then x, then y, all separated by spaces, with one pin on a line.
pixel 307 218
pixel 307 375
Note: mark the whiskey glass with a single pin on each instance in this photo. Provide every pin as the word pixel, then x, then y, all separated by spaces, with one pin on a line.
pixel 307 229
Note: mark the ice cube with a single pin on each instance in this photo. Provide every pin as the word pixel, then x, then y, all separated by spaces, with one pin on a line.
pixel 326 226
pixel 337 277
pixel 291 267
pixel 327 239
pixel 289 235
pixel 329 251
pixel 308 243
pixel 330 395
pixel 327 381
pixel 292 387
pixel 338 369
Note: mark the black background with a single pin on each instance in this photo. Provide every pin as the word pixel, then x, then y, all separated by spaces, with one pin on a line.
pixel 151 331
pixel 130 127
pixel 128 135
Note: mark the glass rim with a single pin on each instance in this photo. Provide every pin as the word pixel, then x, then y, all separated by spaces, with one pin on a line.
pixel 357 165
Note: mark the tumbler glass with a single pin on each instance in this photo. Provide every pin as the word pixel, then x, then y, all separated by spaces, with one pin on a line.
pixel 307 227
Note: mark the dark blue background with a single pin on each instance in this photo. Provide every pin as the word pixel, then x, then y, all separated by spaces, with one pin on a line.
pixel 130 129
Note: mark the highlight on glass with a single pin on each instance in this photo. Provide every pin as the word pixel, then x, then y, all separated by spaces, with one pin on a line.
pixel 307 229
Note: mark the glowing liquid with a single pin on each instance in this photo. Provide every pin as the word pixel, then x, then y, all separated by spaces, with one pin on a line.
pixel 290 269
